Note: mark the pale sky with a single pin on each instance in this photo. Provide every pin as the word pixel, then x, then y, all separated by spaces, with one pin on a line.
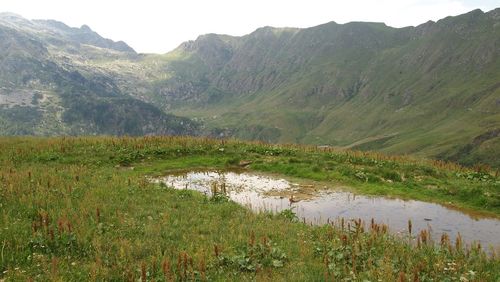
pixel 160 26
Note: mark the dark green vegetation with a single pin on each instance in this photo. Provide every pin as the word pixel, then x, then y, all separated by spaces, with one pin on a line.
pixel 77 209
pixel 430 90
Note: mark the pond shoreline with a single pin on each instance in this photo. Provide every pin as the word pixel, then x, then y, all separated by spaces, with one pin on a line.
pixel 317 203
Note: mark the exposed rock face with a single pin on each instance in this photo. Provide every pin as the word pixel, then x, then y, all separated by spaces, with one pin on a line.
pixel 48 86
pixel 431 89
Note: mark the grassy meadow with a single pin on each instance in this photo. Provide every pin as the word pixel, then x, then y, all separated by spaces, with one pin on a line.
pixel 74 209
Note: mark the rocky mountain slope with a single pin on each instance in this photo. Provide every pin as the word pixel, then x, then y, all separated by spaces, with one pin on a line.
pixel 46 88
pixel 431 90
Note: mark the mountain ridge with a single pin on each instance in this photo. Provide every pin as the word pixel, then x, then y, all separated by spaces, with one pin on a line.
pixel 46 88
pixel 429 90
pixel 339 84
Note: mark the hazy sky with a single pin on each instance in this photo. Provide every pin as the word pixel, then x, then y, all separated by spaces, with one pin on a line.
pixel 159 26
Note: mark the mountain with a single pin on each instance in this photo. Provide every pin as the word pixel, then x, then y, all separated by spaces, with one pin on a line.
pixel 47 88
pixel 430 90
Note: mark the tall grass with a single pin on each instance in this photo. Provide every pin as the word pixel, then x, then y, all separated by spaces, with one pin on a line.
pixel 81 208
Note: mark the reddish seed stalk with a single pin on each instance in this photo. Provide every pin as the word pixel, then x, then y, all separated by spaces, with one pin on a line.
pixel 54 266
pixel 252 239
pixel 415 276
pixel 402 277
pixel 143 272
pixel 179 265
pixel 60 226
pixel 203 269
pixel 216 251
pixel 354 263
pixel 344 239
pixel 458 242
pixel 166 270
pixel 185 263
pixel 98 214
pixel 409 226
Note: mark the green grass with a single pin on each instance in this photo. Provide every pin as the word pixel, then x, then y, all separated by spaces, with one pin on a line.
pixel 73 209
pixel 353 82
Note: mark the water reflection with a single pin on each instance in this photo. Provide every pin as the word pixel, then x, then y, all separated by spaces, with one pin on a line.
pixel 320 205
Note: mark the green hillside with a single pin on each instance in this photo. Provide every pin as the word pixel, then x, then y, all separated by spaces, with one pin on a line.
pixel 431 90
pixel 380 161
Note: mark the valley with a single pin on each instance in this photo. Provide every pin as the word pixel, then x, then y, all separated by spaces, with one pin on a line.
pixel 430 90
pixel 334 152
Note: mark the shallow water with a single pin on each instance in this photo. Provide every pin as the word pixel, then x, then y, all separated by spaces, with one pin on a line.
pixel 318 204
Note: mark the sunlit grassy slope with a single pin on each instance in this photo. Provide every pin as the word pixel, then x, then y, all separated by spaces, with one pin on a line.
pixel 433 88
pixel 430 90
pixel 76 209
